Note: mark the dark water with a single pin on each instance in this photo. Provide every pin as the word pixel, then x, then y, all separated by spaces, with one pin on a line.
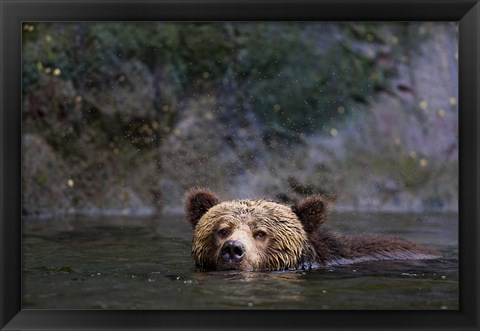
pixel 145 263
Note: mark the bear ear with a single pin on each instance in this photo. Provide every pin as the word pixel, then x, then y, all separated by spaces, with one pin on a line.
pixel 312 212
pixel 197 202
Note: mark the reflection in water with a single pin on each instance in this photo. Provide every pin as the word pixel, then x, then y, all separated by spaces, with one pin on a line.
pixel 145 263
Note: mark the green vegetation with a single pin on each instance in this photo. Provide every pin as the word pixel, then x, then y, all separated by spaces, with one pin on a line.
pixel 124 117
pixel 277 70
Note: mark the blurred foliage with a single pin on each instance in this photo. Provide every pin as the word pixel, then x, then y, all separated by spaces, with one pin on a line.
pixel 102 100
pixel 277 68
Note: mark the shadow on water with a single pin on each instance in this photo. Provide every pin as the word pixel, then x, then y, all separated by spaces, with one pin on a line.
pixel 145 263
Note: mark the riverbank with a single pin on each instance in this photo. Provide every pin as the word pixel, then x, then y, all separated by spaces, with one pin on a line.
pixel 370 118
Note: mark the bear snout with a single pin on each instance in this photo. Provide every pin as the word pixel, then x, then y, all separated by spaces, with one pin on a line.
pixel 232 251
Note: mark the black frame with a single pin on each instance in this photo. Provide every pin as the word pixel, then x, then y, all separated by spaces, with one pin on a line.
pixel 13 12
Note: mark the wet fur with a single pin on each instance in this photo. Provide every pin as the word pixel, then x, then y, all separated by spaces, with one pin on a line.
pixel 296 239
pixel 288 245
pixel 333 248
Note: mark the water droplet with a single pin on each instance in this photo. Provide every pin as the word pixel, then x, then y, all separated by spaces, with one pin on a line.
pixel 423 104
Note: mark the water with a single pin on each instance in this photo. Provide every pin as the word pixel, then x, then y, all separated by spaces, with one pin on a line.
pixel 145 263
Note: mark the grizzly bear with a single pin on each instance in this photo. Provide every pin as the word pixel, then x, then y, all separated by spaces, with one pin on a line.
pixel 253 235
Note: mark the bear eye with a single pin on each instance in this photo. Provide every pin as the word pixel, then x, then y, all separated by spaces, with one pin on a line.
pixel 260 234
pixel 223 232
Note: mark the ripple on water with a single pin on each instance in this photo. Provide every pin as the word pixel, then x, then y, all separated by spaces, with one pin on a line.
pixel 146 264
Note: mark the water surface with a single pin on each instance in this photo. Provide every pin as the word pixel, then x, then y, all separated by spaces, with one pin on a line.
pixel 145 263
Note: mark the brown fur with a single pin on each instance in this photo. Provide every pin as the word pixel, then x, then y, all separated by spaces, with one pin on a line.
pixel 276 237
pixel 197 202
pixel 312 212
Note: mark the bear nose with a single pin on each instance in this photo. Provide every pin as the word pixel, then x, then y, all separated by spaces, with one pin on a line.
pixel 233 251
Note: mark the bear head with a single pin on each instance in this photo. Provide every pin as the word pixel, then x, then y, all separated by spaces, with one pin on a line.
pixel 252 235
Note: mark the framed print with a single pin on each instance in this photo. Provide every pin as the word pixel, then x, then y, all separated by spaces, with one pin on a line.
pixel 283 165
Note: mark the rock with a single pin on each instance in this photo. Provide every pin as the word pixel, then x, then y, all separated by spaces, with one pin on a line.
pixel 44 178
